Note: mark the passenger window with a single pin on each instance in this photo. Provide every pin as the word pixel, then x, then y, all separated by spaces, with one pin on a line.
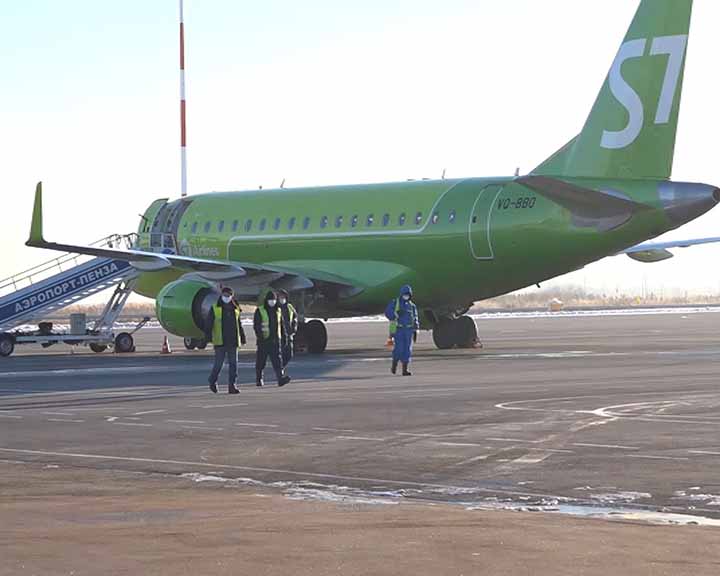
pixel 221 225
pixel 370 219
pixel 435 218
pixel 401 219
pixel 276 224
pixel 338 221
pixel 194 227
pixel 207 227
pixel 235 225
pixel 248 225
pixel 291 223
pixel 418 218
pixel 323 222
pixel 263 224
pixel 306 223
pixel 354 221
pixel 452 216
pixel 386 219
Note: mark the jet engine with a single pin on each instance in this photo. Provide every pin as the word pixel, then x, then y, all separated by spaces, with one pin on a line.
pixel 183 305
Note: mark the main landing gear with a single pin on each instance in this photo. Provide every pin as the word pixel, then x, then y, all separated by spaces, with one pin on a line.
pixel 195 343
pixel 456 333
pixel 311 336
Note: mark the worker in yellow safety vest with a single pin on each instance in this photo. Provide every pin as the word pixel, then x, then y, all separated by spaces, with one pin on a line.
pixel 290 326
pixel 268 327
pixel 224 329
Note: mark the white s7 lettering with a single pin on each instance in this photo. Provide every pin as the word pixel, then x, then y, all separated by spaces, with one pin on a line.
pixel 672 46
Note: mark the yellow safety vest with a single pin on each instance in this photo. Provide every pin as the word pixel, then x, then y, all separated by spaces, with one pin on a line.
pixel 265 317
pixel 217 336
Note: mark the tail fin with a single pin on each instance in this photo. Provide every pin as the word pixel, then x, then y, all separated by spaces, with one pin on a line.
pixel 631 130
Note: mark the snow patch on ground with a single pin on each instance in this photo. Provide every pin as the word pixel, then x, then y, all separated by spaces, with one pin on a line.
pixel 624 497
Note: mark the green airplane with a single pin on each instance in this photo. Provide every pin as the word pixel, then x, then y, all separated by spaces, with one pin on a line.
pixel 345 250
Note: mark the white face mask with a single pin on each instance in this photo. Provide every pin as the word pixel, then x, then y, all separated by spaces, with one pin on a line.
pixel 406 297
pixel 272 303
pixel 283 301
pixel 227 299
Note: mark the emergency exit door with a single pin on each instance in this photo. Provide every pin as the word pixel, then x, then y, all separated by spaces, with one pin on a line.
pixel 479 226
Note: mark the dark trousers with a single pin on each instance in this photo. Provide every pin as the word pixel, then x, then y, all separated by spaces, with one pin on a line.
pixel 221 352
pixel 287 352
pixel 271 350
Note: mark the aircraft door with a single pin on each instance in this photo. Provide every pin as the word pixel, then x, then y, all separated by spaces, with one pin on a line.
pixel 479 225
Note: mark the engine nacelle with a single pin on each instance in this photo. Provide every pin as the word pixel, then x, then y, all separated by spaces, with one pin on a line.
pixel 183 305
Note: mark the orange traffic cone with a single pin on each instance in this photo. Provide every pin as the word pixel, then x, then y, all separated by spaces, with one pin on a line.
pixel 166 347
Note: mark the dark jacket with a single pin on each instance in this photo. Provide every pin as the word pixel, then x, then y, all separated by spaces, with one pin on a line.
pixel 229 331
pixel 272 315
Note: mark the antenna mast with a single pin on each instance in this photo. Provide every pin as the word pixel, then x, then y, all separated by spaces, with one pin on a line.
pixel 183 154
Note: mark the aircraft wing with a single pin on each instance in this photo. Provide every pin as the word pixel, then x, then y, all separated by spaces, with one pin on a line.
pixel 152 261
pixel 650 252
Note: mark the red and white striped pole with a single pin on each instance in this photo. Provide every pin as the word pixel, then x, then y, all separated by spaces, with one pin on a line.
pixel 183 154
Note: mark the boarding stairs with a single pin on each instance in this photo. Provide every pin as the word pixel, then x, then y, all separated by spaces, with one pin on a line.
pixel 68 279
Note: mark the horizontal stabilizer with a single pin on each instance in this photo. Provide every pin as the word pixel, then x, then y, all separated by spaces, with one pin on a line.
pixel 582 202
pixel 651 256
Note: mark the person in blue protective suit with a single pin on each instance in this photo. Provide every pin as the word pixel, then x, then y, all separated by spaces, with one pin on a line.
pixel 404 326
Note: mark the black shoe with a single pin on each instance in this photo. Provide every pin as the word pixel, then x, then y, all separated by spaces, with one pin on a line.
pixel 393 368
pixel 213 388
pixel 284 380
pixel 260 383
pixel 233 389
pixel 405 371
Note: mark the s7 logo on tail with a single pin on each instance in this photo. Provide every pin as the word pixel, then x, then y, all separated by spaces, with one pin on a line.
pixel 672 46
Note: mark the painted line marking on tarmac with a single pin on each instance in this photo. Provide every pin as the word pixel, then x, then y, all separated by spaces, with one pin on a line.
pixel 64 420
pixel 704 452
pixel 514 440
pixel 133 424
pixel 472 460
pixel 257 425
pixel 13 416
pixel 202 428
pixel 532 459
pixel 319 429
pixel 462 444
pixel 149 412
pixel 297 473
pixel 608 446
pixel 362 438
pixel 186 421
pixel 57 414
pixel 649 457
pixel 414 435
pixel 274 433
pixel 220 405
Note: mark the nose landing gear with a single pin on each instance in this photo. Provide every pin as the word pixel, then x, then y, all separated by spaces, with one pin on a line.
pixel 456 333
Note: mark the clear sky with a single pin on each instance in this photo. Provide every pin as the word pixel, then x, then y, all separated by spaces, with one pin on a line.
pixel 317 92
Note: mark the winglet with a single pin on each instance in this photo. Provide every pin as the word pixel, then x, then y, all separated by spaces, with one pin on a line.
pixel 36 228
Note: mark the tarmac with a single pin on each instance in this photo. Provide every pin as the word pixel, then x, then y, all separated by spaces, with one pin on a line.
pixel 556 422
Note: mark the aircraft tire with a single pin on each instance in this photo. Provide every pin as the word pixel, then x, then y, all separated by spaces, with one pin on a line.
pixel 124 343
pixel 7 345
pixel 316 336
pixel 443 334
pixel 465 332
pixel 189 343
pixel 98 348
pixel 201 344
